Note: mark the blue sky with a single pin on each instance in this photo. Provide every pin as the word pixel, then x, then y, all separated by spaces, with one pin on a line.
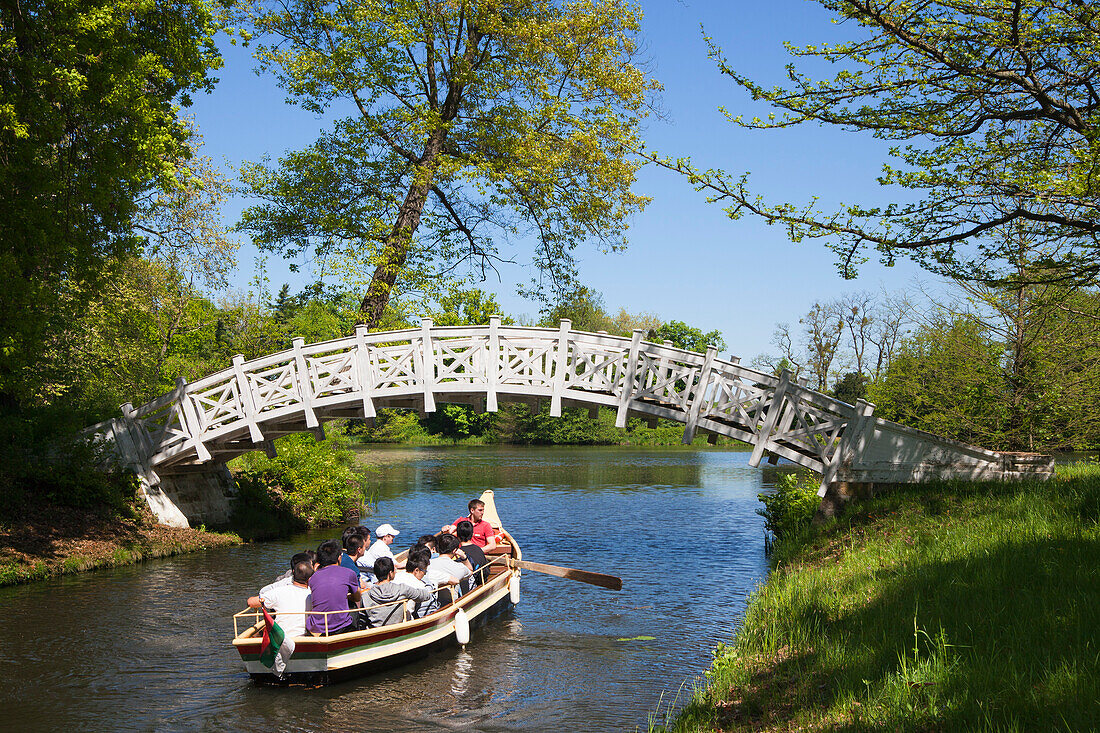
pixel 686 259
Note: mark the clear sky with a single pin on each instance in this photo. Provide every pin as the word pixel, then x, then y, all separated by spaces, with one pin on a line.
pixel 686 259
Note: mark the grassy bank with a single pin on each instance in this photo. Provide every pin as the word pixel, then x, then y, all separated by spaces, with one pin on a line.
pixel 51 541
pixel 958 606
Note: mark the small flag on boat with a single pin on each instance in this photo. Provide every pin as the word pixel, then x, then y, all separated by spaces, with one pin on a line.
pixel 276 647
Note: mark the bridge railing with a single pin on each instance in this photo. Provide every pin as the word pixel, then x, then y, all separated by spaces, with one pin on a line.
pixel 238 405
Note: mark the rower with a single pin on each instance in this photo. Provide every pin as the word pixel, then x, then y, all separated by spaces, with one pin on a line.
pixel 483 535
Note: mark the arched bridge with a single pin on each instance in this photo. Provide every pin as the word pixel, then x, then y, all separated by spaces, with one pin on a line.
pixel 244 407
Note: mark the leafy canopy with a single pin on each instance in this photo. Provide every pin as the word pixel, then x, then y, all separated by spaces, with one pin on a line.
pixel 991 107
pixel 88 124
pixel 468 124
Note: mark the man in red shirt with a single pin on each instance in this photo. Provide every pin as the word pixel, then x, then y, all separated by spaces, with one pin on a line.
pixel 483 533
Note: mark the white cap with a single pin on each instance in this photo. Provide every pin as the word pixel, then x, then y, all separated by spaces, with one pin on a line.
pixel 386 529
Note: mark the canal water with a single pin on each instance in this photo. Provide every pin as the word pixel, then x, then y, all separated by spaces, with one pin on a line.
pixel 147 647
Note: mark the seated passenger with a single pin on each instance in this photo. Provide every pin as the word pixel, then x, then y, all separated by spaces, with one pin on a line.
pixel 289 602
pixel 354 547
pixel 451 567
pixel 464 531
pixel 334 588
pixel 288 577
pixel 381 548
pixel 416 566
pixel 484 537
pixel 428 540
pixel 386 591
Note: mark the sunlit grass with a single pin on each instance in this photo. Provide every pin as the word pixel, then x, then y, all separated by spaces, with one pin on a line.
pixel 959 606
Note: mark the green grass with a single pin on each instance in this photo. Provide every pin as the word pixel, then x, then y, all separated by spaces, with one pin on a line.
pixel 957 606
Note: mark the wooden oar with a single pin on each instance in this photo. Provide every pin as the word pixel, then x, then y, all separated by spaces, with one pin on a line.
pixel 584 576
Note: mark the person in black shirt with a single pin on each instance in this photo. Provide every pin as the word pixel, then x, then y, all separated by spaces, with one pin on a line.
pixel 464 530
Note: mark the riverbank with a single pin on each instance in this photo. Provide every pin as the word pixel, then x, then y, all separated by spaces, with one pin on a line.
pixel 50 541
pixel 959 606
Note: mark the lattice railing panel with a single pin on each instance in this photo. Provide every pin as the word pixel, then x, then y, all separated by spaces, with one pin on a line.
pixel 526 361
pixel 165 426
pixel 332 374
pixel 274 388
pixel 395 367
pixel 665 380
pixel 737 401
pixel 460 360
pixel 595 368
pixel 218 405
pixel 811 428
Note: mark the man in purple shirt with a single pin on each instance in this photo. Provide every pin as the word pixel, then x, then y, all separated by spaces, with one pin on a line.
pixel 333 588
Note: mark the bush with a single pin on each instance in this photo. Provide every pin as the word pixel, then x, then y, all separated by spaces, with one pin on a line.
pixel 789 510
pixel 317 481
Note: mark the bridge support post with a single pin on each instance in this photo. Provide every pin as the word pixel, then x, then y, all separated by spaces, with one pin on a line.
pixel 561 363
pixel 427 364
pixel 770 419
pixel 190 420
pixel 248 404
pixel 699 396
pixel 850 446
pixel 631 372
pixel 492 364
pixel 366 374
pixel 302 380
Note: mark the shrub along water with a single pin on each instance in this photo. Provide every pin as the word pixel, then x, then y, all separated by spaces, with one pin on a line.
pixel 309 483
pixel 956 606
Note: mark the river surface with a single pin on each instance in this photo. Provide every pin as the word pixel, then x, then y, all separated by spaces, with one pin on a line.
pixel 147 647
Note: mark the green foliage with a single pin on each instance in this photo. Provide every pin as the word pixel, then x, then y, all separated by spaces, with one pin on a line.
pixel 478 123
pixel 316 481
pixel 947 379
pixel 788 512
pixel 391 426
pixel 88 125
pixel 687 337
pixel 851 387
pixel 261 509
pixel 40 465
pixel 459 306
pixel 989 110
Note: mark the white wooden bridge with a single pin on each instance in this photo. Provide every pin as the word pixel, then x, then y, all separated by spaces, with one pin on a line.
pixel 243 408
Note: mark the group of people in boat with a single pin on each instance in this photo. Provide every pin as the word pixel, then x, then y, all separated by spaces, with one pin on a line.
pixel 352 584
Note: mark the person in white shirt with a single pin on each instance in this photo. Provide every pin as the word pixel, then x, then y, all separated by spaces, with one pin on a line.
pixel 416 567
pixel 451 567
pixel 381 548
pixel 290 602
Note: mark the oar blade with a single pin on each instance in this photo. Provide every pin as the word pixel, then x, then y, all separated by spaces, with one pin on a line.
pixel 583 576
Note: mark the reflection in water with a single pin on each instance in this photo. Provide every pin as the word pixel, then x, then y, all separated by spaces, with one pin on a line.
pixel 146 647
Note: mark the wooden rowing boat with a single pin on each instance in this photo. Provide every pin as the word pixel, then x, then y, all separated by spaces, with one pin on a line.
pixel 320 660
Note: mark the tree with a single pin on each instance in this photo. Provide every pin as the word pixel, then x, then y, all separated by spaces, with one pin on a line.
pixel 88 124
pixel 687 337
pixel 460 306
pixel 474 121
pixel 858 331
pixel 851 387
pixel 991 108
pixel 823 326
pixel 947 379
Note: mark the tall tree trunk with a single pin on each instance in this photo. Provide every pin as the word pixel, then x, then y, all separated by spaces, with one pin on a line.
pixel 396 249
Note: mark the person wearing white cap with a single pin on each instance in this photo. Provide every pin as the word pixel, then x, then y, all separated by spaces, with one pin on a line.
pixel 381 548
